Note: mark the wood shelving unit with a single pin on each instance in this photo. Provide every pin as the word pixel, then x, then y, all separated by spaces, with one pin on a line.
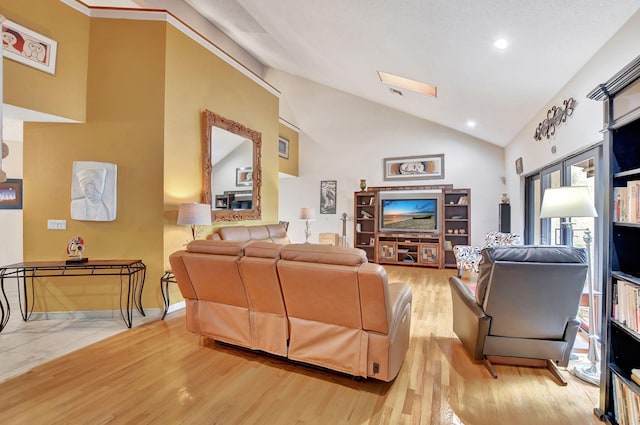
pixel 457 207
pixel 409 248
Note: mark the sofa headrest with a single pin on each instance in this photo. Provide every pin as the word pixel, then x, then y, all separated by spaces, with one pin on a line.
pixel 276 231
pixel 258 233
pixel 535 254
pixel 234 233
pixel 263 250
pixel 325 254
pixel 216 247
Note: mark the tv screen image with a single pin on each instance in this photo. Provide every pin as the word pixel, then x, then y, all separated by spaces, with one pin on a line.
pixel 409 214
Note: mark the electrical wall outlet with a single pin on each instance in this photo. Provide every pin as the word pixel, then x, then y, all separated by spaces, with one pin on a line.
pixel 57 224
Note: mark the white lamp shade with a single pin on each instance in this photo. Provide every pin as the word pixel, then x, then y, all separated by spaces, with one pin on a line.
pixel 194 214
pixel 567 201
pixel 307 214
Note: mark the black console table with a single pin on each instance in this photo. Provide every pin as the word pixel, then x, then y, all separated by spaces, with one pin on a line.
pixel 167 278
pixel 132 274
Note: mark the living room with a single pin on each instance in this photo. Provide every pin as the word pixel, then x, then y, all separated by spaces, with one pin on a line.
pixel 145 116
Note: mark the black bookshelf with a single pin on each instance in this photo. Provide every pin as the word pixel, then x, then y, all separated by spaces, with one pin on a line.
pixel 619 335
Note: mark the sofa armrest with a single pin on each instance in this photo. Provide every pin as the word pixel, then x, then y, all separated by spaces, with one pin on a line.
pixel 400 296
pixel 570 334
pixel 470 323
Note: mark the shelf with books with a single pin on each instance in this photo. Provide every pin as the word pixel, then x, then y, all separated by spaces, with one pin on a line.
pixel 626 395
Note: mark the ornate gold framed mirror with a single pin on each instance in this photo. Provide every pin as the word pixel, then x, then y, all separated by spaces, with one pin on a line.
pixel 232 174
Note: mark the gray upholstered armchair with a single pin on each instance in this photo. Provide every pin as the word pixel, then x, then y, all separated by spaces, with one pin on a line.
pixel 524 306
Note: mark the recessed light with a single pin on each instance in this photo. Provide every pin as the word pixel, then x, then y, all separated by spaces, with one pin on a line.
pixel 471 123
pixel 501 43
pixel 408 84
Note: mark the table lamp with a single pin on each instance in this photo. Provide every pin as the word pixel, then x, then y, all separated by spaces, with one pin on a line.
pixel 307 214
pixel 194 214
pixel 577 201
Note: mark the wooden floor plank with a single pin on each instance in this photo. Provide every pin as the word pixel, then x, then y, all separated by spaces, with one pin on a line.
pixel 161 374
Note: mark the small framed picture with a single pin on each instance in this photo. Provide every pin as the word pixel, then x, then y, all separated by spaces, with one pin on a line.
pixel 519 165
pixel 283 147
pixel 28 47
pixel 328 192
pixel 244 176
pixel 11 194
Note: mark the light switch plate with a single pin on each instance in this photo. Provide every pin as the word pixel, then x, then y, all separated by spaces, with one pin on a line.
pixel 57 224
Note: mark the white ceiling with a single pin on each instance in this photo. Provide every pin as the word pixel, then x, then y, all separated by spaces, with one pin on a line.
pixel 447 43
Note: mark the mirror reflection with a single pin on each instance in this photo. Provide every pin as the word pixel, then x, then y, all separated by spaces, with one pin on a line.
pixel 231 169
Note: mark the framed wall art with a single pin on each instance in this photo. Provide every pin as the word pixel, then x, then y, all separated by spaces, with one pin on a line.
pixel 11 194
pixel 519 165
pixel 328 192
pixel 283 148
pixel 28 47
pixel 94 191
pixel 421 167
pixel 244 176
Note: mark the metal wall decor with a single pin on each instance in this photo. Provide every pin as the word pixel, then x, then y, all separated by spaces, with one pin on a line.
pixel 555 116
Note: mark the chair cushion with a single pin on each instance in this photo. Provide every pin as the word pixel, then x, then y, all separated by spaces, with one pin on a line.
pixel 519 254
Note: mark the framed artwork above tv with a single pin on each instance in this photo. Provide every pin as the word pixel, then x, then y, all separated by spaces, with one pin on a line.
pixel 421 167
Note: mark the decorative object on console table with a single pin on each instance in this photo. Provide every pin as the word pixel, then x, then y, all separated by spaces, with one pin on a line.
pixel 194 214
pixel 421 167
pixel 307 214
pixel 74 251
pixel 573 202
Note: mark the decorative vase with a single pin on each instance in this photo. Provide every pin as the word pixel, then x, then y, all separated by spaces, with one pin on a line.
pixel 363 185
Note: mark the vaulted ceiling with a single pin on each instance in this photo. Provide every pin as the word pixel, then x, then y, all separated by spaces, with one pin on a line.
pixel 446 43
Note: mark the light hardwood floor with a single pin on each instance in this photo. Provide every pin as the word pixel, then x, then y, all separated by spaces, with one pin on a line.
pixel 158 373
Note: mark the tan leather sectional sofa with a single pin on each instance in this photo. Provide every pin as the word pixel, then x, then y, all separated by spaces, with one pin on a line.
pixel 317 304
pixel 263 232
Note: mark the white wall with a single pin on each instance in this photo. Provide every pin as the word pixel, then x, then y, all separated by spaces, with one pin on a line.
pixel 582 129
pixel 11 220
pixel 345 138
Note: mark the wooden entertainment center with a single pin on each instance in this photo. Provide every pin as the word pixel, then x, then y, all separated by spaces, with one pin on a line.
pixel 413 248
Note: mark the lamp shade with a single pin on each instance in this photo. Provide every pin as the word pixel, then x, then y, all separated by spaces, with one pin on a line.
pixel 567 201
pixel 307 214
pixel 194 214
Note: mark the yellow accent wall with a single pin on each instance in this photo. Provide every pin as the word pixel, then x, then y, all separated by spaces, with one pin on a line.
pixel 197 80
pixel 63 94
pixel 125 120
pixel 289 166
pixel 146 86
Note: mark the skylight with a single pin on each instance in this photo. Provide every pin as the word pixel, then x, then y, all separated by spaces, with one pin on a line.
pixel 406 83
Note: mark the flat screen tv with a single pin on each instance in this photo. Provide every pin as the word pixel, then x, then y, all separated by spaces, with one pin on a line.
pixel 410 211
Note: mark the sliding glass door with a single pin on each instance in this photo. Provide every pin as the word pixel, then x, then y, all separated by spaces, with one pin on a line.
pixel 578 170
